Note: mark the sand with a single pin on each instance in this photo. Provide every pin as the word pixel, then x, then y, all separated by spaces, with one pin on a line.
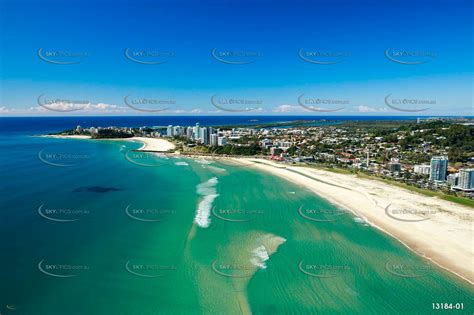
pixel 149 144
pixel 67 137
pixel 439 230
pixel 154 144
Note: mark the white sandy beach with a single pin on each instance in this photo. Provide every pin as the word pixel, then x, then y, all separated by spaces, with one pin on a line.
pixel 445 236
pixel 154 144
pixel 149 144
pixel 67 137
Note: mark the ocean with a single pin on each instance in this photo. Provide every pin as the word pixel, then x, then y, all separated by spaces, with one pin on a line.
pixel 87 227
pixel 54 124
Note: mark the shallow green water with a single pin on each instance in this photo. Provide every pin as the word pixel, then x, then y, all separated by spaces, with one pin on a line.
pixel 134 248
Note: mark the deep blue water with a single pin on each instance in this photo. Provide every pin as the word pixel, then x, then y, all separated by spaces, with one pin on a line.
pixel 35 125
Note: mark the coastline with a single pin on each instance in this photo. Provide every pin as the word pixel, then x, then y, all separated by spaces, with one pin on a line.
pixel 148 144
pixel 437 230
pixel 153 144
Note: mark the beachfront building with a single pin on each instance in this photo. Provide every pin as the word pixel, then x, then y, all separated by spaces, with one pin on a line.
pixel 266 143
pixel 211 130
pixel 284 145
pixel 213 139
pixel 422 169
pixel 197 132
pixel 275 151
pixel 178 130
pixel 439 168
pixel 170 131
pixel 394 166
pixel 204 136
pixel 453 179
pixel 221 141
pixel 466 179
pixel 189 133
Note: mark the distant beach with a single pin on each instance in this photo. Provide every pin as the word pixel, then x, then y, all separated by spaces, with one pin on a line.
pixel 149 144
pixel 154 144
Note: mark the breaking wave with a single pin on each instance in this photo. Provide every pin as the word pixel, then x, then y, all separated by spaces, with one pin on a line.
pixel 259 256
pixel 262 253
pixel 360 221
pixel 209 192
pixel 203 161
pixel 217 169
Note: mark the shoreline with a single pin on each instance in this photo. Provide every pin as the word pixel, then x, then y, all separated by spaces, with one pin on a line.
pixel 445 238
pixel 153 144
pixel 159 145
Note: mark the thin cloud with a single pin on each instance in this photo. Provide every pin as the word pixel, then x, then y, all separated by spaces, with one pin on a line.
pixel 289 109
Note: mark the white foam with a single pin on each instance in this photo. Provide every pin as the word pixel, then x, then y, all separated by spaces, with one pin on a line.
pixel 359 220
pixel 181 164
pixel 259 257
pixel 203 161
pixel 203 211
pixel 260 254
pixel 161 155
pixel 217 169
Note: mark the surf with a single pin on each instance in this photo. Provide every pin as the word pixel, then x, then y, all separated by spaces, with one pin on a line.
pixel 209 192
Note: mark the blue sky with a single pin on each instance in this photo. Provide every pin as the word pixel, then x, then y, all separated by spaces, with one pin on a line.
pixel 271 39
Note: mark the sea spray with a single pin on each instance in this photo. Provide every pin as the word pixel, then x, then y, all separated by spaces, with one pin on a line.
pixel 360 221
pixel 216 169
pixel 181 163
pixel 259 256
pixel 203 161
pixel 269 245
pixel 209 192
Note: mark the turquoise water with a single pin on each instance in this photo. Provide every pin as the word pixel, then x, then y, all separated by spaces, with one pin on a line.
pixel 89 227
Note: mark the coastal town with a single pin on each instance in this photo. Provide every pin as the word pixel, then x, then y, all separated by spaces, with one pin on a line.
pixel 431 154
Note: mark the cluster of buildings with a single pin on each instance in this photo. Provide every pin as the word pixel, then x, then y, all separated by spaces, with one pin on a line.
pixel 91 130
pixel 204 135
pixel 336 146
pixel 141 131
pixel 359 148
pixel 462 180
